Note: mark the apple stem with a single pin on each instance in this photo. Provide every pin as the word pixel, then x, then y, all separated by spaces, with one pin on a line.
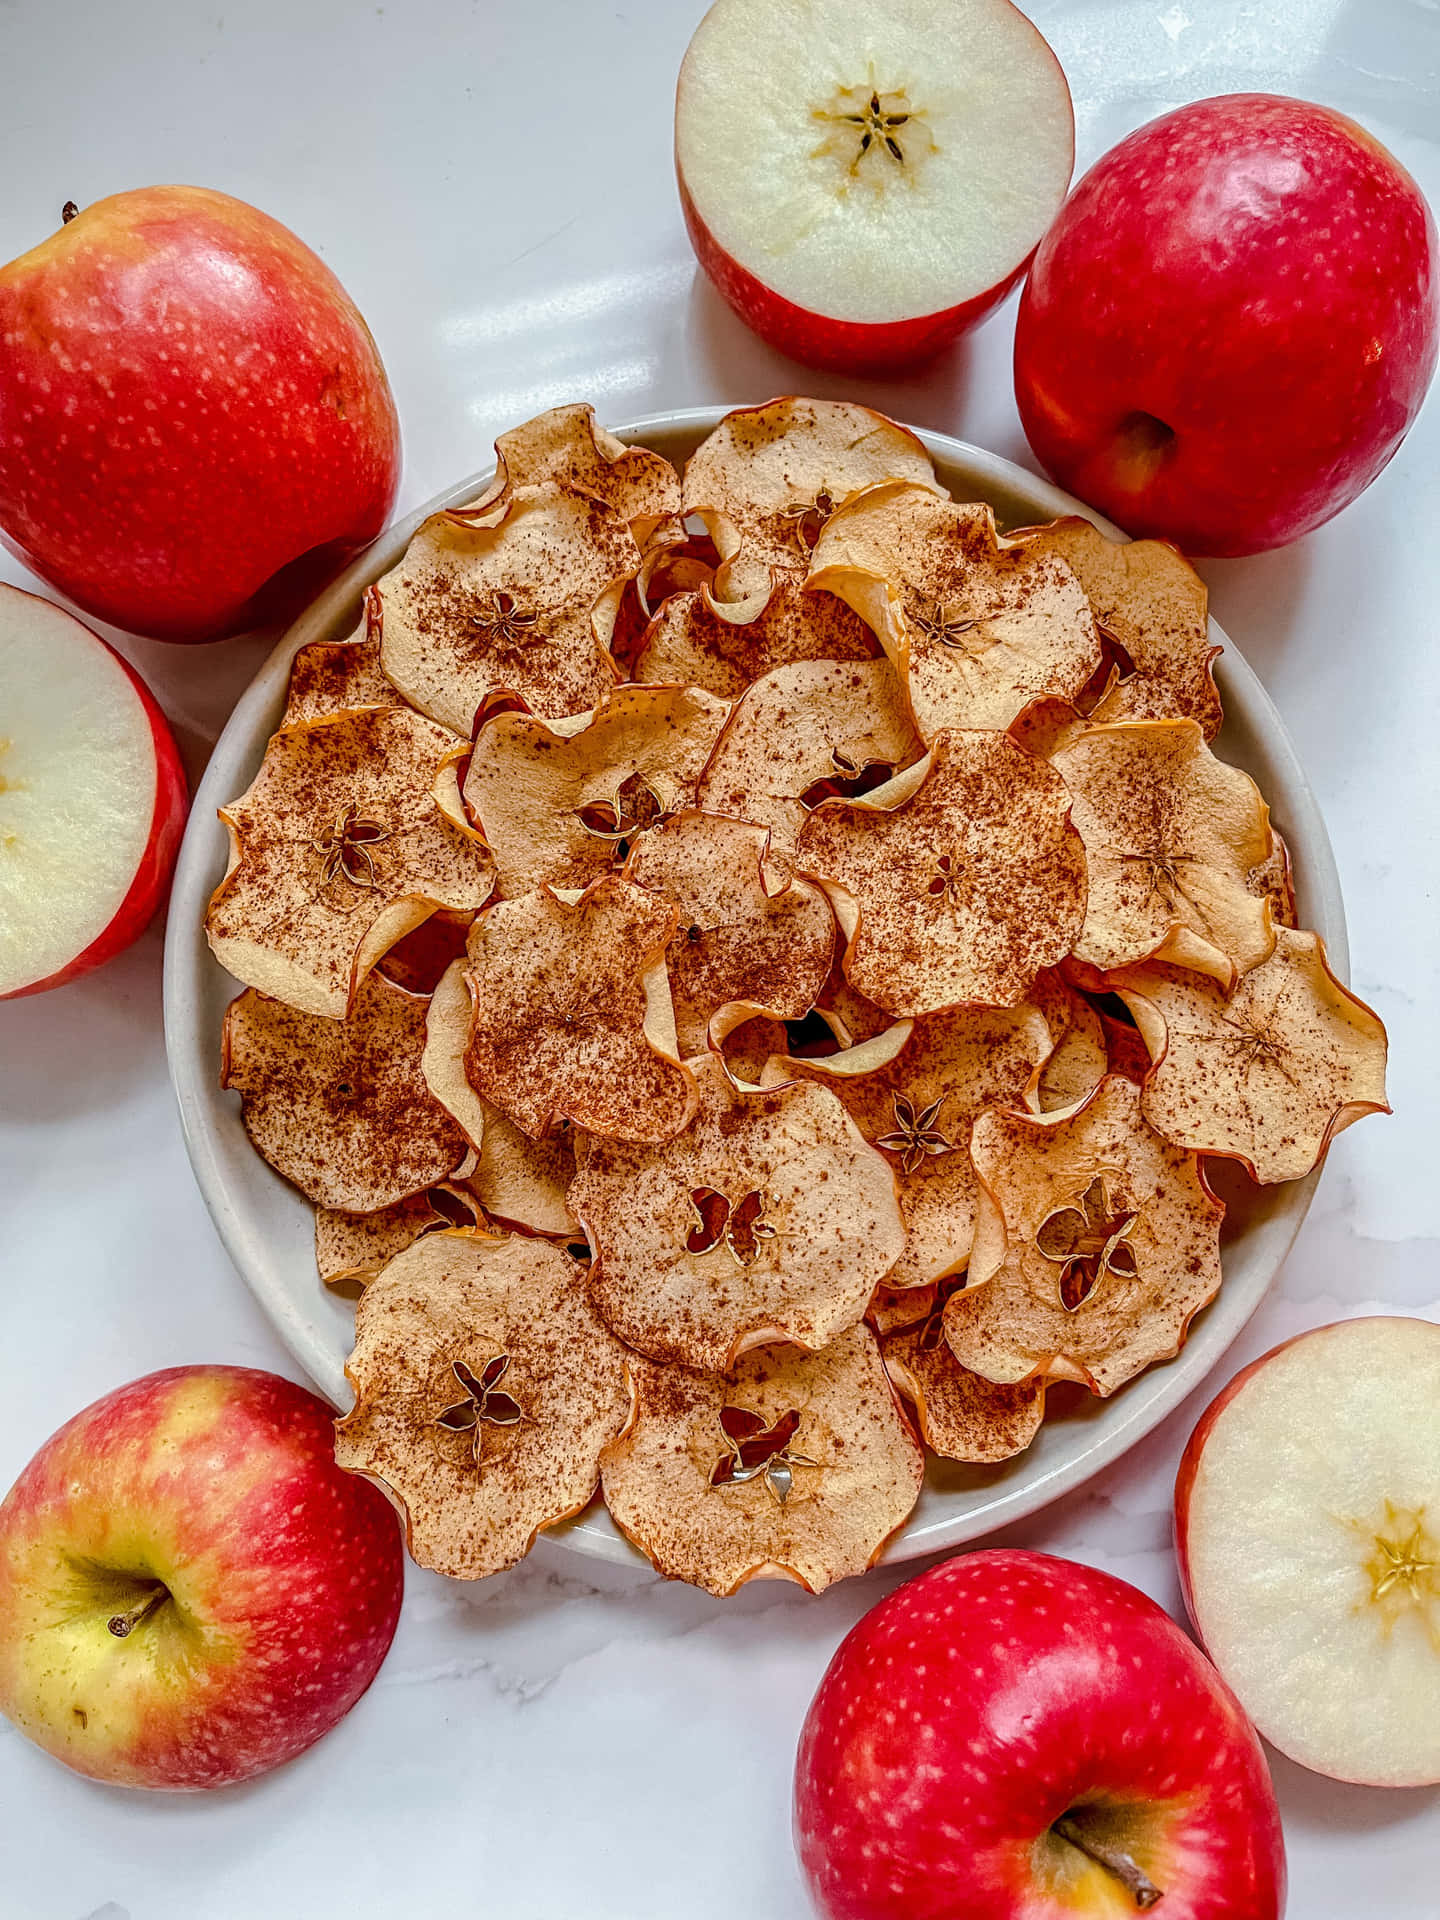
pixel 68 212
pixel 122 1625
pixel 1136 1882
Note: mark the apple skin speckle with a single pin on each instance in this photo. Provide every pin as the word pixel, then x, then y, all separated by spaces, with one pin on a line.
pixel 980 1702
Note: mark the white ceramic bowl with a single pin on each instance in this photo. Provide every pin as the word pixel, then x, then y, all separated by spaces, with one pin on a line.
pixel 268 1228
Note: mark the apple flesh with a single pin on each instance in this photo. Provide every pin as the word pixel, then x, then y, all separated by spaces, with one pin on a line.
pixel 92 799
pixel 863 184
pixel 195 424
pixel 1015 1737
pixel 1307 1524
pixel 191 1591
pixel 1230 328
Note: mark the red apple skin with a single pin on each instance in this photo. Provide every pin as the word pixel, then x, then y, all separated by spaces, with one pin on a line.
pixel 190 404
pixel 286 1575
pixel 817 340
pixel 157 863
pixel 1259 275
pixel 982 1700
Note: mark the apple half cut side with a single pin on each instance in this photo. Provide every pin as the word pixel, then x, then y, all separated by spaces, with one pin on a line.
pixel 1307 1526
pixel 92 799
pixel 864 183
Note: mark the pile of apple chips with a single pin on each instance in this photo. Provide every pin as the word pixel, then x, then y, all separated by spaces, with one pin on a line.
pixel 750 967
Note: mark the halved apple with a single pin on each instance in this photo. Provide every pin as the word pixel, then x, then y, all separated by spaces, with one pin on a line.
pixel 1307 1524
pixel 92 798
pixel 864 183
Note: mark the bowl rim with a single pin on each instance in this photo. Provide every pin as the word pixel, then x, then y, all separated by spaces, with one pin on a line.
pixel 1019 497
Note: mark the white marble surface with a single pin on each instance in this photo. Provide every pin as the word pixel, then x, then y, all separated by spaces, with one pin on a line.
pixel 493 184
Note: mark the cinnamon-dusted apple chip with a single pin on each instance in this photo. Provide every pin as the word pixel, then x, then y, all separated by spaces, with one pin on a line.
pixel 769 1218
pixel 485 1389
pixel 794 1466
pixel 337 849
pixel 566 444
pixel 1077 1062
pixel 1149 599
pixel 1273 880
pixel 329 676
pixel 801 728
pixel 741 942
pixel 914 1093
pixel 340 1107
pixel 957 881
pixel 977 626
pixel 1097 1244
pixel 961 1416
pixel 698 641
pixel 520 599
pixel 1268 1076
pixel 351 1248
pixel 556 804
pixel 767 477
pixel 1171 834
pixel 519 1182
pixel 892 1309
pixel 572 1017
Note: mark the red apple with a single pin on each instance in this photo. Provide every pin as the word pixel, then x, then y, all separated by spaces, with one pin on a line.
pixel 1231 326
pixel 191 1591
pixel 195 424
pixel 1013 1737
pixel 1307 1525
pixel 92 799
pixel 864 184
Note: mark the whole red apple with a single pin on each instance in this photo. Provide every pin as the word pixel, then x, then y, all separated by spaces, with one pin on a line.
pixel 1232 324
pixel 1014 1737
pixel 92 799
pixel 195 424
pixel 191 1591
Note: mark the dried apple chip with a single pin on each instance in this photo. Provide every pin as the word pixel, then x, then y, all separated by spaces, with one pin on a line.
pixel 767 477
pixel 914 1093
pixel 337 850
pixel 698 641
pixel 567 445
pixel 961 1416
pixel 1150 600
pixel 1274 880
pixel 892 1309
pixel 340 1107
pixel 769 1218
pixel 572 1017
pixel 1098 1243
pixel 485 1389
pixel 741 942
pixel 519 599
pixel 977 626
pixel 556 805
pixel 519 1182
pixel 1268 1076
pixel 957 881
pixel 1171 834
pixel 794 1466
pixel 1077 1063
pixel 801 728
pixel 351 1248
pixel 330 676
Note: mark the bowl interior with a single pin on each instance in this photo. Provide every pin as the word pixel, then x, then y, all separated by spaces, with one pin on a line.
pixel 268 1228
